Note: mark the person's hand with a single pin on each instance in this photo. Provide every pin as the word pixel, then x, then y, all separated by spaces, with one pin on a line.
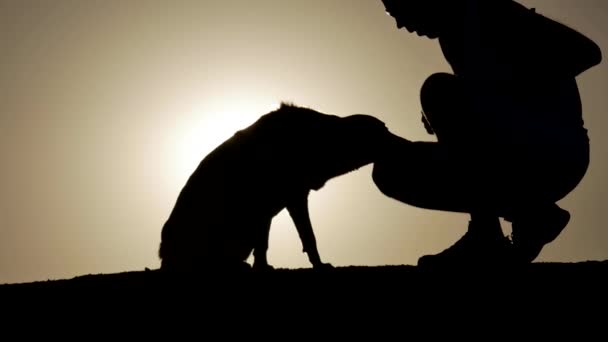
pixel 427 124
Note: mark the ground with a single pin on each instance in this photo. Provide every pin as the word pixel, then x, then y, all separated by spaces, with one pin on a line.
pixel 393 299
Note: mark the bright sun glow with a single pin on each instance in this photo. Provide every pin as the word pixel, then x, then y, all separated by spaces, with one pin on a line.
pixel 208 128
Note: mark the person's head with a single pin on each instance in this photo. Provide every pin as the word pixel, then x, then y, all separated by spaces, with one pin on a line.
pixel 425 17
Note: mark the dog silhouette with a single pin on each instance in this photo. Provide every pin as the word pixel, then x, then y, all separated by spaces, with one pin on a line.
pixel 224 211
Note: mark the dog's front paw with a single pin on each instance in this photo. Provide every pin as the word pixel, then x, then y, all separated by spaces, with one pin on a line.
pixel 323 266
pixel 262 267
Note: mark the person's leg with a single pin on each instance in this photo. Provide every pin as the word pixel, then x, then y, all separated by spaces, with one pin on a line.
pixel 548 157
pixel 536 219
pixel 470 171
pixel 432 176
pixel 459 173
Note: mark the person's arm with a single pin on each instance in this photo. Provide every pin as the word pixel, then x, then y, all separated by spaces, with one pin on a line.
pixel 505 37
pixel 563 46
pixel 542 44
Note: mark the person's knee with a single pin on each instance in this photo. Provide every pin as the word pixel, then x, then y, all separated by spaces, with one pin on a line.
pixel 438 96
pixel 448 106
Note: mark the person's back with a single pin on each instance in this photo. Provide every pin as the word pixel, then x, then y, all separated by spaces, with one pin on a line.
pixel 504 35
pixel 521 63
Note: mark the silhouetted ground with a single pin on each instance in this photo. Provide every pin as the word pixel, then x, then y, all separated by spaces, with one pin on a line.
pixel 393 280
pixel 544 297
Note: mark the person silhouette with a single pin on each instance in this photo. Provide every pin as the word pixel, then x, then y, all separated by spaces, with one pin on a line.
pixel 510 137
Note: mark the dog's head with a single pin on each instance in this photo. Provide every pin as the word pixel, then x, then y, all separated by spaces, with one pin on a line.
pixel 323 146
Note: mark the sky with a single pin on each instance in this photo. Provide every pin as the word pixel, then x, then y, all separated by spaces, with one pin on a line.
pixel 106 107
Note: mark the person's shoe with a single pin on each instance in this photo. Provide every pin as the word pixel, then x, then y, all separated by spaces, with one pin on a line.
pixel 532 232
pixel 473 250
